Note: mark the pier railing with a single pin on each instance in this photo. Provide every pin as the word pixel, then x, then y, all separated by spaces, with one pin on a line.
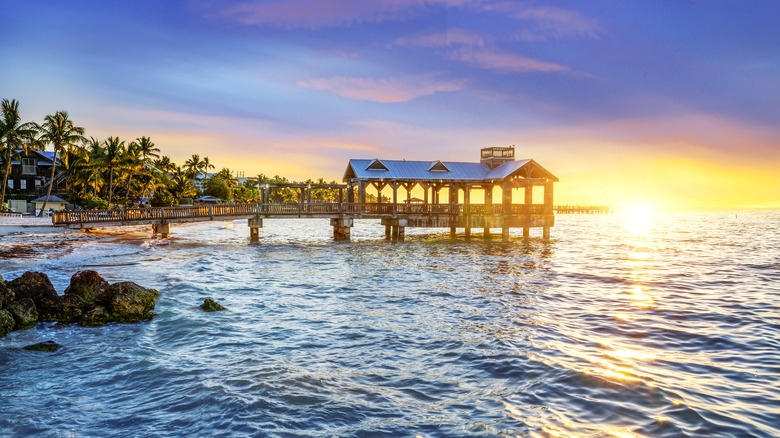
pixel 227 211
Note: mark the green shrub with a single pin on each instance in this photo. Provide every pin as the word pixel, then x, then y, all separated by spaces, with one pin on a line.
pixel 91 201
pixel 185 201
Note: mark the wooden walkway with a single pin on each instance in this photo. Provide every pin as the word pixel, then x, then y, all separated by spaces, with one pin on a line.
pixel 394 216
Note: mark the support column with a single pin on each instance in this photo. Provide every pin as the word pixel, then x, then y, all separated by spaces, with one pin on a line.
pixel 506 201
pixel 164 229
pixel 467 209
pixel 255 223
pixel 548 208
pixel 395 197
pixel 342 228
pixel 528 209
pixel 488 215
pixel 388 231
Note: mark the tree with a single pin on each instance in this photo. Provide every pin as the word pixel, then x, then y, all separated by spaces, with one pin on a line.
pixel 58 130
pixel 112 156
pixel 13 134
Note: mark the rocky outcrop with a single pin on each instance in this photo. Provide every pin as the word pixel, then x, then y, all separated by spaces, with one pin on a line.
pixel 89 300
pixel 129 302
pixel 6 322
pixel 47 346
pixel 65 309
pixel 210 305
pixel 87 285
pixel 24 313
pixel 33 285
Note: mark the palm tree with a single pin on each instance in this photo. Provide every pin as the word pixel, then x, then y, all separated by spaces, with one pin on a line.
pixel 112 155
pixel 58 130
pixel 164 164
pixel 13 134
pixel 95 154
pixel 193 166
pixel 147 149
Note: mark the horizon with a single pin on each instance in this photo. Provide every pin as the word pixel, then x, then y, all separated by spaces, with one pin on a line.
pixel 641 105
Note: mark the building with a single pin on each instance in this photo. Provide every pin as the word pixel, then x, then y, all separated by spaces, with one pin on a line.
pixel 31 172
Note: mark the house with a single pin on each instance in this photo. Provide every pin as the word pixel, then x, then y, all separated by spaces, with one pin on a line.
pixel 55 203
pixel 31 172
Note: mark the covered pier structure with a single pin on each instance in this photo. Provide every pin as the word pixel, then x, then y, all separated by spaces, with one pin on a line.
pixel 448 193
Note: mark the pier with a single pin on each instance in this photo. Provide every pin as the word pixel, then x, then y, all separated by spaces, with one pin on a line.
pixel 371 191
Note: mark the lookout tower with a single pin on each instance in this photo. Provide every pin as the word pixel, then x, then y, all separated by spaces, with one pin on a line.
pixel 496 156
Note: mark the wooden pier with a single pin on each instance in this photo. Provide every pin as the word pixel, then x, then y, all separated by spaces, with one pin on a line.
pixel 497 171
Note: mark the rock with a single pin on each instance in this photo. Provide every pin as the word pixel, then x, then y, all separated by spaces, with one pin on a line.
pixel 129 302
pixel 48 346
pixel 65 309
pixel 24 313
pixel 88 285
pixel 95 317
pixel 6 295
pixel 210 305
pixel 33 285
pixel 6 322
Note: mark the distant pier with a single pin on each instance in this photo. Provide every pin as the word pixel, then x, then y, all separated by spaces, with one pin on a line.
pixel 583 209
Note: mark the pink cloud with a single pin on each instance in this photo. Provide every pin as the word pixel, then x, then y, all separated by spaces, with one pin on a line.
pixel 452 37
pixel 326 13
pixel 548 21
pixel 507 62
pixel 397 89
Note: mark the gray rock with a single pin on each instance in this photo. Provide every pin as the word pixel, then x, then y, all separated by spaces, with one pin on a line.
pixel 89 286
pixel 210 305
pixel 129 302
pixel 96 316
pixel 33 285
pixel 6 322
pixel 24 313
pixel 47 346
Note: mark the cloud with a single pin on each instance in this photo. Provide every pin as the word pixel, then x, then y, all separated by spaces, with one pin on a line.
pixel 397 89
pixel 506 62
pixel 452 37
pixel 548 22
pixel 328 13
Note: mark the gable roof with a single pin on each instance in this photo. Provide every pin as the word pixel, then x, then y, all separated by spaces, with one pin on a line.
pixel 45 157
pixel 403 170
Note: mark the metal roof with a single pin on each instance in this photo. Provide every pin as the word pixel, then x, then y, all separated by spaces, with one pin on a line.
pixel 421 170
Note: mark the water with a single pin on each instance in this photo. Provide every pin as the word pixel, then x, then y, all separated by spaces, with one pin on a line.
pixel 619 326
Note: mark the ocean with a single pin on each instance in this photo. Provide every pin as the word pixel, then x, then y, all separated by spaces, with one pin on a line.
pixel 621 325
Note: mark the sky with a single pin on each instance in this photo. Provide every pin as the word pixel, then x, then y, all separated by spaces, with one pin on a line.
pixel 630 103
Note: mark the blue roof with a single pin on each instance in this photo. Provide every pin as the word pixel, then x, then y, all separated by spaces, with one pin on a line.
pixel 421 170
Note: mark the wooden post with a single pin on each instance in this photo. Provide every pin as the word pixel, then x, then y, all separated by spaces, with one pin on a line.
pixel 506 198
pixel 548 207
pixel 488 215
pixel 388 231
pixel 529 201
pixel 467 209
pixel 395 198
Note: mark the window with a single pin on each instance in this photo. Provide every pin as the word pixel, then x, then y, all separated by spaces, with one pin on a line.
pixel 28 166
pixel 438 166
pixel 376 165
pixel 23 184
pixel 10 184
pixel 37 183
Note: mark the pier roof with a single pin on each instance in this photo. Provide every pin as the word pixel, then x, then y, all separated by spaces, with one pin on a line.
pixel 402 170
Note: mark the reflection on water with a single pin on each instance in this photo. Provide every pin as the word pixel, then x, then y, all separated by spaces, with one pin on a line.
pixel 617 327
